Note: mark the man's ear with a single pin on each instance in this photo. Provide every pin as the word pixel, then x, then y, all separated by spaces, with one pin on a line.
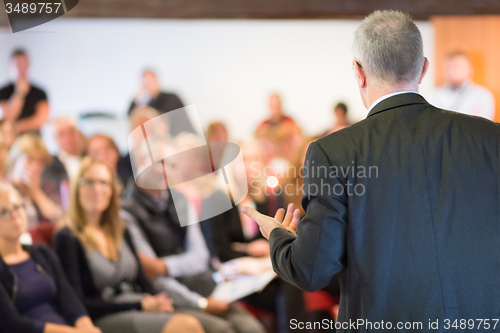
pixel 359 74
pixel 424 70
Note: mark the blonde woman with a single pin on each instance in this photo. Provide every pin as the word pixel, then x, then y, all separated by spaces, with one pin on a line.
pixel 100 261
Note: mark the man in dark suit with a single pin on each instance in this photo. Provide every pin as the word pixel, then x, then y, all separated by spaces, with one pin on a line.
pixel 405 204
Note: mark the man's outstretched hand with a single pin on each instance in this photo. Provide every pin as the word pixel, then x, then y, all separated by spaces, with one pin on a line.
pixel 289 221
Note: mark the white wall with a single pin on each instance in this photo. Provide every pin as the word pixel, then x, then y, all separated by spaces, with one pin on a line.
pixel 226 67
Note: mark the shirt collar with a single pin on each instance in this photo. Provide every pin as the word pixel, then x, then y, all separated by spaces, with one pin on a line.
pixel 62 155
pixel 390 95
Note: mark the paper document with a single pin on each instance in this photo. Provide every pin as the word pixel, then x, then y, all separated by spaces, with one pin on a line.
pixel 234 290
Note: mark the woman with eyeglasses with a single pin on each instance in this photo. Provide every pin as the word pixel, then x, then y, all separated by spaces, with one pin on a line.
pixel 100 261
pixel 34 293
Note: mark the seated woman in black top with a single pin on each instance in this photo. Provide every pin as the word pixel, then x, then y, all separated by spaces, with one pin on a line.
pixel 34 293
pixel 100 261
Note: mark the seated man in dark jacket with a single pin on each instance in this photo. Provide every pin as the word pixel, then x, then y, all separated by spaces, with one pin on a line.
pixel 177 259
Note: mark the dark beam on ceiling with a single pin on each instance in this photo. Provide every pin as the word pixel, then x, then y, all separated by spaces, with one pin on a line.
pixel 277 9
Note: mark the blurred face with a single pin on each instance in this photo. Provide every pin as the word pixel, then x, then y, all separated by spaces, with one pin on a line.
pixel 150 82
pixel 102 150
pixel 275 106
pixel 254 164
pixel 339 113
pixel 13 220
pixel 34 165
pixel 95 189
pixel 68 137
pixel 138 121
pixel 219 135
pixel 458 70
pixel 21 63
pixel 153 176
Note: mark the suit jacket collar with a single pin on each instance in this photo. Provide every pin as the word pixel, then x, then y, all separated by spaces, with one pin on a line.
pixel 397 101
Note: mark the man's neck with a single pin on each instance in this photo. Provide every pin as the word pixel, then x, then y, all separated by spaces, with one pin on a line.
pixel 276 118
pixel 154 93
pixel 374 93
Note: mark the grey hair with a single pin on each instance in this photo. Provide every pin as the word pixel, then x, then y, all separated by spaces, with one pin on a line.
pixel 388 46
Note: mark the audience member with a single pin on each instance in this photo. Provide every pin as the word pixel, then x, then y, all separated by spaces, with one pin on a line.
pixel 234 235
pixel 293 188
pixel 193 166
pixel 8 132
pixel 103 148
pixel 150 94
pixel 460 93
pixel 217 132
pixel 294 178
pixel 138 117
pixel 289 138
pixel 175 257
pixel 27 160
pixel 65 164
pixel 279 135
pixel 341 121
pixel 277 116
pixel 34 293
pixel 21 101
pixel 100 261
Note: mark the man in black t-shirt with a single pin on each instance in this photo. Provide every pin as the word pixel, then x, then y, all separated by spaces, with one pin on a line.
pixel 151 95
pixel 22 102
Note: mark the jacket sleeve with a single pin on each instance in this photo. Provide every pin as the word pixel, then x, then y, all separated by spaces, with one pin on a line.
pixel 11 320
pixel 69 303
pixel 141 279
pixel 311 259
pixel 74 264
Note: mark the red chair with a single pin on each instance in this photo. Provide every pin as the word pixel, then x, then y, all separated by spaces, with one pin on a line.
pixel 322 301
pixel 42 233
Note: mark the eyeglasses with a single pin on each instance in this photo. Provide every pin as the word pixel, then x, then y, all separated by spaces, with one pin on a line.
pixel 92 182
pixel 6 214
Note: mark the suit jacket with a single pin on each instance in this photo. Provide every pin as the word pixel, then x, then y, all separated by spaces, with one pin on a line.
pixel 417 238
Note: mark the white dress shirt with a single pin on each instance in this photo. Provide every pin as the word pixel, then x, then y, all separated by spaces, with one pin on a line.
pixel 71 163
pixel 390 95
